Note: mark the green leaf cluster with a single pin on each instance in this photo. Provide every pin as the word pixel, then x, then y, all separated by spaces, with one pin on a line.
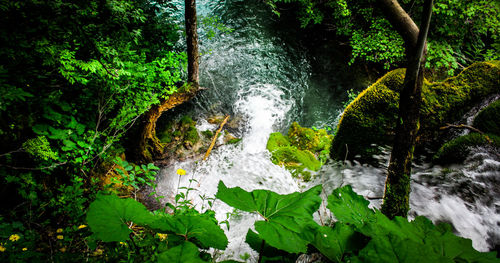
pixel 75 76
pixel 462 32
pixel 286 228
pixel 110 218
pixel 360 234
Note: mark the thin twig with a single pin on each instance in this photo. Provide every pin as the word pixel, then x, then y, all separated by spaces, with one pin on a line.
pixel 463 126
pixel 33 168
pixel 15 151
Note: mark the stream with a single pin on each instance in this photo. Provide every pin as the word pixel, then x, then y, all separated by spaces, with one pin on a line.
pixel 263 76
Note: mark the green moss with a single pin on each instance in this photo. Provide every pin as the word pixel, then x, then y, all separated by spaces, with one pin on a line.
pixel 187 120
pixel 192 135
pixel 234 141
pixel 165 137
pixel 308 139
pixel 302 150
pixel 277 140
pixel 457 150
pixel 371 118
pixel 177 133
pixel 292 157
pixel 207 133
pixel 488 119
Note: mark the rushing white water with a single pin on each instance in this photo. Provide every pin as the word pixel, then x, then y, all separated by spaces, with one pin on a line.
pixel 259 75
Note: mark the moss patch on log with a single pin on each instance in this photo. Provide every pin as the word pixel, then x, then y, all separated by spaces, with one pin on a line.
pixel 302 151
pixel 371 118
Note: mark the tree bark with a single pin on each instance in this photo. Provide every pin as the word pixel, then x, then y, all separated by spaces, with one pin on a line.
pixel 397 185
pixel 192 41
pixel 401 21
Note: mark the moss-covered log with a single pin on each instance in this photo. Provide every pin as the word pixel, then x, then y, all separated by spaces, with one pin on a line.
pixel 371 118
pixel 150 147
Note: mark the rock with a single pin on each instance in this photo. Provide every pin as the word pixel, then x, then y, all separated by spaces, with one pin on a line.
pixel 230 139
pixel 188 145
pixel 302 151
pixel 457 150
pixel 216 119
pixel 371 118
pixel 488 119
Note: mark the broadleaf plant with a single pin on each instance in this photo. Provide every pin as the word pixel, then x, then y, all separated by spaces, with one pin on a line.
pixel 193 226
pixel 399 240
pixel 288 223
pixel 187 252
pixel 349 207
pixel 108 216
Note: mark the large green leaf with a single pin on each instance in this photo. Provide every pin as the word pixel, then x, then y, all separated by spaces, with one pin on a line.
pixel 269 253
pixel 187 252
pixel 449 246
pixel 108 216
pixel 393 248
pixel 398 240
pixel 197 226
pixel 335 242
pixel 349 207
pixel 288 218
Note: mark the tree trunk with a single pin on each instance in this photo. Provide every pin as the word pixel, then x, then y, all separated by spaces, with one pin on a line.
pixel 192 41
pixel 401 21
pixel 397 185
pixel 150 146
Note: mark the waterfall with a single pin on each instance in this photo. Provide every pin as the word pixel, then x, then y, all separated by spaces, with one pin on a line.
pixel 260 74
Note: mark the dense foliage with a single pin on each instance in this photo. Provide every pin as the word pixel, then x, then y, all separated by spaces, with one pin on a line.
pixel 75 75
pixel 461 32
pixel 286 228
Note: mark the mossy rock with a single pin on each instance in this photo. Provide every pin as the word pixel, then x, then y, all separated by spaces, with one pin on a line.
pixel 208 134
pixel 488 119
pixel 179 134
pixel 192 135
pixel 457 150
pixel 371 118
pixel 302 150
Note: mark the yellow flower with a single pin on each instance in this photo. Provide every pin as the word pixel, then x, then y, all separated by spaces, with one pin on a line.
pixel 59 230
pixel 63 249
pixel 2 248
pixel 60 237
pixel 162 236
pixel 82 226
pixel 181 172
pixel 25 248
pixel 14 237
pixel 123 243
